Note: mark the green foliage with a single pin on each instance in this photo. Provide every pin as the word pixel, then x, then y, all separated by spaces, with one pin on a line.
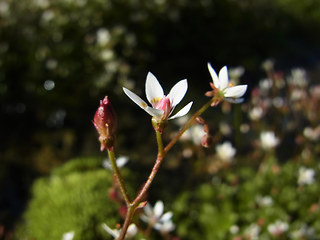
pixel 73 198
pixel 213 209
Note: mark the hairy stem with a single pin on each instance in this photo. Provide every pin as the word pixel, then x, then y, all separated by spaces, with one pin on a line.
pixel 154 171
pixel 117 173
pixel 127 221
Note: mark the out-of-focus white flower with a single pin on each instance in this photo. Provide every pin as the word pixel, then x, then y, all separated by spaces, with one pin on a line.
pixel 162 106
pixel 256 113
pixel 68 235
pixel 194 133
pixel 155 217
pixel 234 229
pixel 303 232
pixel 120 161
pixel 278 102
pixel 4 8
pixel 131 232
pixel 164 226
pixel 103 36
pixel 268 65
pixel 51 64
pixel 226 152
pixel 265 201
pixel 298 78
pixel 252 232
pixel 306 176
pixel 229 92
pixel 225 128
pixel 268 140
pixel 47 16
pixel 244 128
pixel 278 228
pixel 41 3
pixel 236 73
pixel 312 134
pixel 107 55
pixel 265 85
pixel 298 94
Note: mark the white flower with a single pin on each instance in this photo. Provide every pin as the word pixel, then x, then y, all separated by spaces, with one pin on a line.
pixel 306 176
pixel 236 73
pixel 120 161
pixel 252 232
pixel 234 229
pixel 164 226
pixel 265 201
pixel 268 140
pixel 268 65
pixel 312 134
pixel 225 151
pixel 162 105
pixel 256 113
pixel 265 85
pixel 131 232
pixel 194 133
pixel 103 36
pixel 298 77
pixel 278 228
pixel 155 217
pixel 230 93
pixel 68 235
pixel 304 232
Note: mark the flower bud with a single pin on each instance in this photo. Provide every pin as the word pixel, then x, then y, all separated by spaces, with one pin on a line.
pixel 206 141
pixel 105 121
pixel 165 105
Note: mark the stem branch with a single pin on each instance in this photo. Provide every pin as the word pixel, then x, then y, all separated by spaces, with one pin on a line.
pixel 187 125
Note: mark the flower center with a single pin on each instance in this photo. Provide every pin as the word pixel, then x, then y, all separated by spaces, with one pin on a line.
pixel 165 105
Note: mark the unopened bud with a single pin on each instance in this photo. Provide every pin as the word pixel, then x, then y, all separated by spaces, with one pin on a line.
pixel 206 141
pixel 105 121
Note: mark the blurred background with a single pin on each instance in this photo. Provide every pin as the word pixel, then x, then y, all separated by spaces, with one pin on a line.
pixel 59 58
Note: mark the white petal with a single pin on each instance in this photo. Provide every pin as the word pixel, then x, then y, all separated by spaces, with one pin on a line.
pixel 234 100
pixel 121 161
pixel 148 210
pixel 107 164
pixel 214 76
pixel 158 208
pixel 166 217
pixel 223 78
pixel 135 98
pixel 132 230
pixel 154 112
pixel 112 232
pixel 236 91
pixel 177 92
pixel 183 111
pixel 154 90
pixel 144 218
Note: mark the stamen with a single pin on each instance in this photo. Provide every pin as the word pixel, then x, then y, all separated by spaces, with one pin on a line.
pixel 155 100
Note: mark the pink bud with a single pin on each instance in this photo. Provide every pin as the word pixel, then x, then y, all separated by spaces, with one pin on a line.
pixel 206 141
pixel 105 121
pixel 165 105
